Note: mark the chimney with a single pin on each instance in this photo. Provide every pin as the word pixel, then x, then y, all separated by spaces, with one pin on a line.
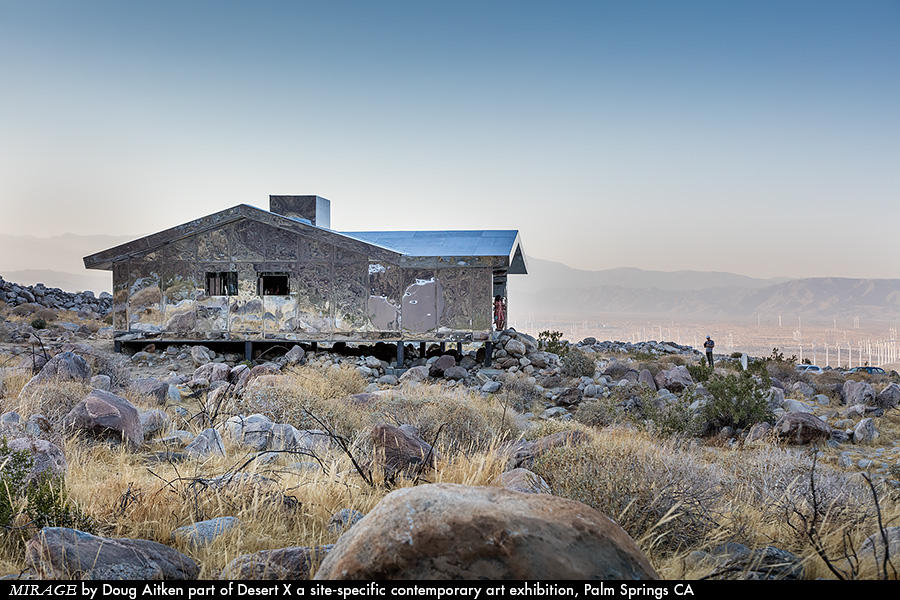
pixel 315 209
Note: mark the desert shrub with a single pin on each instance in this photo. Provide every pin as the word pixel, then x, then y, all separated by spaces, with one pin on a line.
pixel 641 356
pixel 38 324
pixel 47 315
pixel 48 505
pixel 662 496
pixel 518 393
pixel 736 401
pixel 700 371
pixel 14 467
pixel 736 355
pixel 598 412
pixel 578 364
pixel 674 418
pixel 551 341
pixel 548 427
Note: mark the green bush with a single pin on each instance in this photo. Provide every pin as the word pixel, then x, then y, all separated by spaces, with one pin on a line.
pixel 700 371
pixel 737 401
pixel 578 364
pixel 46 501
pixel 48 505
pixel 551 341
pixel 14 467
pixel 39 324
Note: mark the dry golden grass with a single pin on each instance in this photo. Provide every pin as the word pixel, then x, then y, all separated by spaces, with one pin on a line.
pixel 673 497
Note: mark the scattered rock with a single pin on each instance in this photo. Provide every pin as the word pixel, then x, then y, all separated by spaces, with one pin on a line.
pixel 802 428
pixel 295 563
pixel 207 442
pixel 107 415
pixel 204 532
pixel 865 432
pixel 400 450
pixel 858 392
pixel 62 553
pixel 675 379
pixel 344 519
pixel 525 481
pixel 889 397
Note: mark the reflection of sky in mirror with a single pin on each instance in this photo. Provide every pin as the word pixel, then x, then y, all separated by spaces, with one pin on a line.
pixel 762 139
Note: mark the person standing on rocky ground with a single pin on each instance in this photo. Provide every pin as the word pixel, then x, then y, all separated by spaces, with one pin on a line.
pixel 709 344
pixel 499 314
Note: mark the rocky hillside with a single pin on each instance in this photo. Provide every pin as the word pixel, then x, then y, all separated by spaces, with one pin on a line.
pixel 181 462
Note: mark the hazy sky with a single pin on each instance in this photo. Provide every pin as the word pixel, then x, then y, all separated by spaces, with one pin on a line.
pixel 762 138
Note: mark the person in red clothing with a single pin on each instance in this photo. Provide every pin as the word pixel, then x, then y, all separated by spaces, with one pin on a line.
pixel 499 314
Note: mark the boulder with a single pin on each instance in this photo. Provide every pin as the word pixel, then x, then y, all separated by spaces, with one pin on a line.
pixel 101 382
pixel 204 532
pixel 759 431
pixel 437 368
pixel 645 377
pixel 295 355
pixel 491 387
pixel 791 405
pixel 47 458
pixel 62 553
pixel 344 519
pixel 515 348
pixel 255 431
pixel 889 397
pixel 865 431
pixel 415 374
pixel 451 531
pixel 525 481
pixel 523 453
pixel 858 392
pixel 65 366
pixel 284 563
pixel 201 355
pixel 154 421
pixel 802 428
pixel 400 449
pixel 775 398
pixel 154 388
pixel 107 415
pixel 455 373
pixel 675 379
pixel 207 442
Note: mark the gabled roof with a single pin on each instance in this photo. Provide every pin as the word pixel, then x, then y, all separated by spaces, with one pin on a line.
pixel 140 246
pixel 390 245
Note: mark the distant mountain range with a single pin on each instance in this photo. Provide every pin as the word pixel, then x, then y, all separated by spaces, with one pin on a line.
pixel 555 290
pixel 550 290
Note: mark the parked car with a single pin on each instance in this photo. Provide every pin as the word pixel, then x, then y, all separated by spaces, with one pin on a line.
pixel 812 369
pixel 869 370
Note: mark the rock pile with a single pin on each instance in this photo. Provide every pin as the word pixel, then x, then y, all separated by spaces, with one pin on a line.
pixel 54 298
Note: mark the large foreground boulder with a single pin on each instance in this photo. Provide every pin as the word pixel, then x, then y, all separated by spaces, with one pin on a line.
pixel 106 415
pixel 283 563
pixel 802 428
pixel 451 531
pixel 62 553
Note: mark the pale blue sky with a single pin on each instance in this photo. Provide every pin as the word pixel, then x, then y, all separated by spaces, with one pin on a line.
pixel 758 137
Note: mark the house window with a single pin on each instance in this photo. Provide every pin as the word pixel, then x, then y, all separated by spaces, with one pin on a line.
pixel 272 284
pixel 221 284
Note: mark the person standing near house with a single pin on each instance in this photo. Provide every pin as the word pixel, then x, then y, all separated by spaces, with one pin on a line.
pixel 499 313
pixel 709 344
